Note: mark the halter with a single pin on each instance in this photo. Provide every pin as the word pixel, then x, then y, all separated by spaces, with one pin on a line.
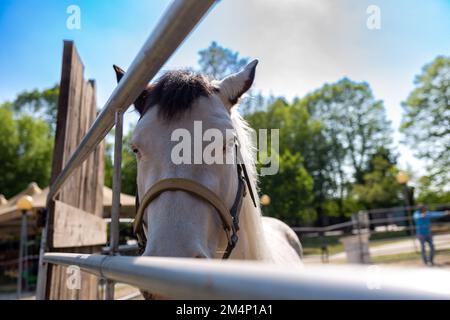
pixel 229 217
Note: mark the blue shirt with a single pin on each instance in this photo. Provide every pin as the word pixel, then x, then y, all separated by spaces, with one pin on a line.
pixel 423 223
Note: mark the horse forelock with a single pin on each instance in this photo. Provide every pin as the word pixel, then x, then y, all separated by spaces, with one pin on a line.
pixel 175 91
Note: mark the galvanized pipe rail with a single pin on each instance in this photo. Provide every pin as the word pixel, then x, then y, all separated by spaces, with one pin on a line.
pixel 181 278
pixel 117 187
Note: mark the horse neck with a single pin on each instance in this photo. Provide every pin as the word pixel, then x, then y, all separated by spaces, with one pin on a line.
pixel 251 244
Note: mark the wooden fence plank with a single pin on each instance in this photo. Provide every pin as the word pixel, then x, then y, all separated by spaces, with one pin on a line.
pixel 84 189
pixel 77 228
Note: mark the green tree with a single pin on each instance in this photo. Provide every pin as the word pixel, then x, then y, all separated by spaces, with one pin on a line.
pixel 38 104
pixel 355 124
pixel 28 125
pixel 129 166
pixel 108 171
pixel 8 155
pixel 426 121
pixel 300 136
pixel 336 130
pixel 429 194
pixel 25 140
pixel 290 190
pixel 380 188
pixel 219 62
pixel 26 151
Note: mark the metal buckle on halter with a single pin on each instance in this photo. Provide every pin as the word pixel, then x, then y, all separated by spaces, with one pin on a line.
pixel 142 238
pixel 233 238
pixel 141 243
pixel 232 241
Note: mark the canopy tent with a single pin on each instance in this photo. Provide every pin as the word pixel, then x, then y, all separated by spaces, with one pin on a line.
pixel 127 204
pixel 10 215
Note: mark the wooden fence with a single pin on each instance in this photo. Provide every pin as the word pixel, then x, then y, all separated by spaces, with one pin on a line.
pixel 75 221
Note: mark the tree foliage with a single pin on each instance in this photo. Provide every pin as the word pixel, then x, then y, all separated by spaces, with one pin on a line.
pixel 26 148
pixel 108 169
pixel 41 105
pixel 427 193
pixel 355 124
pixel 380 188
pixel 129 167
pixel 218 62
pixel 300 138
pixel 336 130
pixel 290 190
pixel 426 121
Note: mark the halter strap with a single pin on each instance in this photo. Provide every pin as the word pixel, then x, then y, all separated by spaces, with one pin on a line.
pixel 229 218
pixel 190 186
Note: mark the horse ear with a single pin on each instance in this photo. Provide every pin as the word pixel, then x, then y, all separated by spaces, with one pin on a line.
pixel 139 103
pixel 119 72
pixel 234 86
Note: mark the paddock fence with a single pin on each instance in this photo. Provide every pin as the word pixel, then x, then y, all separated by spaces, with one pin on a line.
pixel 389 234
pixel 195 279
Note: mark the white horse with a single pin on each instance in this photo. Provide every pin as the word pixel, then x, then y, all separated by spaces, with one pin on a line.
pixel 179 224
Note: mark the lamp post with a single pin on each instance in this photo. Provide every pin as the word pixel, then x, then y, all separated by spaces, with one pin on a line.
pixel 264 201
pixel 403 179
pixel 24 204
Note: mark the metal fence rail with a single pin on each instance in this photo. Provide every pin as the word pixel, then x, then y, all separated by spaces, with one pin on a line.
pixel 181 278
pixel 373 220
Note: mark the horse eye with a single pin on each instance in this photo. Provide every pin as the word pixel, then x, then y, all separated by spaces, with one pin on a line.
pixel 135 151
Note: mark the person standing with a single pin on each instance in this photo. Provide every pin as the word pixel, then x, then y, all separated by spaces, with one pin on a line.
pixel 422 219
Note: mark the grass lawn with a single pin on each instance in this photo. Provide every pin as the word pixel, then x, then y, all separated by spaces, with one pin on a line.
pixel 377 243
pixel 338 247
pixel 407 256
pixel 332 249
pixel 312 246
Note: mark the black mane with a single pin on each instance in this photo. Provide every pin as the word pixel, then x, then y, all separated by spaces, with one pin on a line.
pixel 175 92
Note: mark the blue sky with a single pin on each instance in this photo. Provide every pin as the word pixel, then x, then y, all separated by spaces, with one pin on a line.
pixel 301 44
